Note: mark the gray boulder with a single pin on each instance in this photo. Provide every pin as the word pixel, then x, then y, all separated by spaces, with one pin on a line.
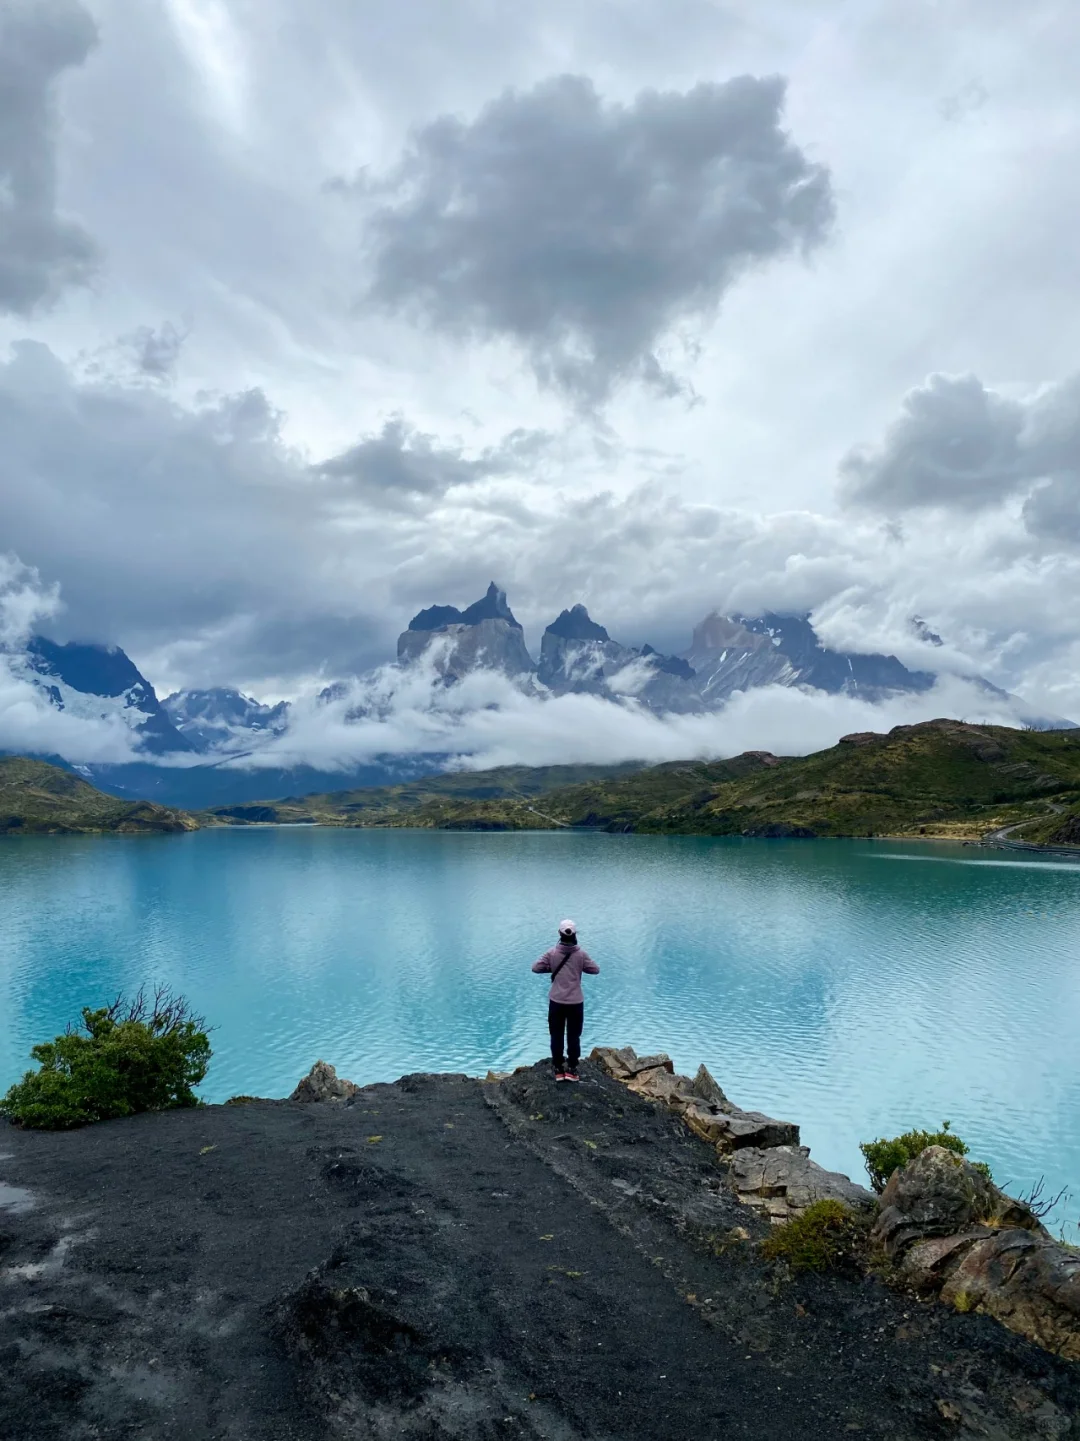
pixel 941 1194
pixel 782 1181
pixel 624 1063
pixel 322 1083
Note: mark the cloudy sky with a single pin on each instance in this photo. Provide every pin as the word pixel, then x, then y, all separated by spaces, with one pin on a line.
pixel 314 315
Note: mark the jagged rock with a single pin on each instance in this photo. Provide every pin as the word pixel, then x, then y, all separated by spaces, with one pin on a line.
pixel 624 1063
pixel 576 624
pixel 615 1060
pixel 941 1194
pixel 927 1263
pixel 707 1089
pixel 1028 1282
pixel 660 1084
pixel 462 647
pixel 578 655
pixel 492 606
pixel 731 1130
pixel 322 1083
pixel 951 1228
pixel 782 1181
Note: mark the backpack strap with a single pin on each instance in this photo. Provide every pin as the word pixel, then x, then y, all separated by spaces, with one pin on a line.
pixel 563 962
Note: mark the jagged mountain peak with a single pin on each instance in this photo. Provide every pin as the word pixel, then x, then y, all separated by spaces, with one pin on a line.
pixel 576 624
pixel 492 606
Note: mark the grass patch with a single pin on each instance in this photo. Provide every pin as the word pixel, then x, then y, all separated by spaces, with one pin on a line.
pixel 828 1236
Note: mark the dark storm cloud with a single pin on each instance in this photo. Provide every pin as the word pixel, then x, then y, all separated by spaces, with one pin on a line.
pixel 954 443
pixel 41 252
pixel 959 445
pixel 197 525
pixel 585 232
pixel 401 461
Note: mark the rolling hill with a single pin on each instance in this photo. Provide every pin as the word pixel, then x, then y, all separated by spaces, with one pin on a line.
pixel 41 799
pixel 939 778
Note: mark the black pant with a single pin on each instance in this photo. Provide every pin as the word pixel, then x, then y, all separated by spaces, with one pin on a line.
pixel 571 1018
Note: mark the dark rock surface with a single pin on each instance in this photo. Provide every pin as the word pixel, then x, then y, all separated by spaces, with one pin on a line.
pixel 443 1258
pixel 576 624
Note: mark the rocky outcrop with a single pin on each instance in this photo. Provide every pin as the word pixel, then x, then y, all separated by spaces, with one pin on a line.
pixel 322 1083
pixel 1068 833
pixel 782 1181
pixel 1029 1283
pixel 949 1229
pixel 769 1169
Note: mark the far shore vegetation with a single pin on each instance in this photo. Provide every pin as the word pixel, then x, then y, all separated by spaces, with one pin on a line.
pixel 936 780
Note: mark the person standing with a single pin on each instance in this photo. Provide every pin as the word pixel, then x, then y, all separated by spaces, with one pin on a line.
pixel 566 962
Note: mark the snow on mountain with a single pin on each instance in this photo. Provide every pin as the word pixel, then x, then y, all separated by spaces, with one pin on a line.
pixel 97 682
pixel 737 652
pixel 219 719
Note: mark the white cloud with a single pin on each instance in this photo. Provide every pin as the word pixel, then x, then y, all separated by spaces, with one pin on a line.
pixel 485 720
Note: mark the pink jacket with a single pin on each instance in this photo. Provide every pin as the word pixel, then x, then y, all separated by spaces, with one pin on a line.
pixel 566 987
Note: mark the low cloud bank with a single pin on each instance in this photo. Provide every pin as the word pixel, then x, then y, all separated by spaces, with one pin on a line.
pixel 486 721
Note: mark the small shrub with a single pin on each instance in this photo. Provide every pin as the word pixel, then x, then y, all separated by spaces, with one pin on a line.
pixel 883 1157
pixel 826 1237
pixel 136 1055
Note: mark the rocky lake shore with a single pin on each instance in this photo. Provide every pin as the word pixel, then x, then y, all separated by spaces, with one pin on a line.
pixel 454 1258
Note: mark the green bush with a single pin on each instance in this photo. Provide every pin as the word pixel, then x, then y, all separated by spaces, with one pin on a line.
pixel 826 1237
pixel 136 1055
pixel 883 1157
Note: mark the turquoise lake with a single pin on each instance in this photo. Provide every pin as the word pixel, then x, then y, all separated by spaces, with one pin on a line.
pixel 858 988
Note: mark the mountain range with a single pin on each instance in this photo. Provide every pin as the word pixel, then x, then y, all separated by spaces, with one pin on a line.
pixel 199 731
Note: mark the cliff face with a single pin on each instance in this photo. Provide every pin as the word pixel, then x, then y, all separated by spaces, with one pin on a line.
pixel 578 656
pixel 484 636
pixel 458 648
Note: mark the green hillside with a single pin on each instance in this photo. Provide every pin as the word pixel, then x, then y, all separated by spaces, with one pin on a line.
pixel 434 795
pixel 36 799
pixel 939 778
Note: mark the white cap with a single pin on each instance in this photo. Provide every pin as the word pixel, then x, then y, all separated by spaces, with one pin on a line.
pixel 567 928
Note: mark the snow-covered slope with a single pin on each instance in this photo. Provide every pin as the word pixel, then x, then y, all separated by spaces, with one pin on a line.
pixel 221 720
pixel 98 682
